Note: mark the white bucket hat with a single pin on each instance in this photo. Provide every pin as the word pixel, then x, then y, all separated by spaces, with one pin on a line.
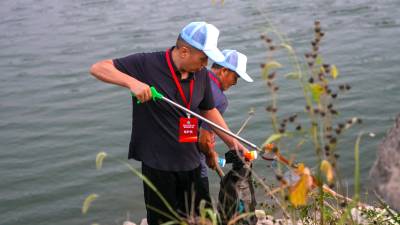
pixel 203 36
pixel 236 62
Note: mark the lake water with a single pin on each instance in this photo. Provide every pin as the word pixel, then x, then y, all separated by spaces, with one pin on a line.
pixel 55 117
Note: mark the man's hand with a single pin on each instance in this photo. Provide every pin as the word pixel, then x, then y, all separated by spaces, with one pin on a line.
pixel 236 145
pixel 212 159
pixel 206 141
pixel 207 145
pixel 141 91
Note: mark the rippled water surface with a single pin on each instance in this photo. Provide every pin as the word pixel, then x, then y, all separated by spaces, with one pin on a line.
pixel 55 118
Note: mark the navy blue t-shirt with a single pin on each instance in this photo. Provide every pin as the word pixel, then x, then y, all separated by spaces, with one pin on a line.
pixel 220 99
pixel 221 103
pixel 154 137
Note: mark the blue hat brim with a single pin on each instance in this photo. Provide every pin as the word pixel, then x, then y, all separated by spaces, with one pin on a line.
pixel 215 55
pixel 245 76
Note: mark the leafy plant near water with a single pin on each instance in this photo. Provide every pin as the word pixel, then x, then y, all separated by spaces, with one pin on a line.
pixel 302 193
pixel 309 195
pixel 314 77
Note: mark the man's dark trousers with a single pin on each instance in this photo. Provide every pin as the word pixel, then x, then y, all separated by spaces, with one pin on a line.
pixel 178 188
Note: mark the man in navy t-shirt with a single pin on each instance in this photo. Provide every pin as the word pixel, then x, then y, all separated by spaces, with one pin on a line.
pixel 163 137
pixel 223 75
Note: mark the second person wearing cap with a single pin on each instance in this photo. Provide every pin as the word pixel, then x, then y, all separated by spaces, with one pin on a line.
pixel 223 75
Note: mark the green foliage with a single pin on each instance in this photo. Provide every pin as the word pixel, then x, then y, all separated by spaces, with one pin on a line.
pixel 273 138
pixel 99 159
pixel 270 65
pixel 315 77
pixel 292 76
pixel 88 201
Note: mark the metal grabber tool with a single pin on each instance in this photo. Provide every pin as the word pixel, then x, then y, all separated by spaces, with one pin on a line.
pixel 158 96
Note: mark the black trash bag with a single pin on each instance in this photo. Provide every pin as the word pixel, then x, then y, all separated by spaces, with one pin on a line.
pixel 236 194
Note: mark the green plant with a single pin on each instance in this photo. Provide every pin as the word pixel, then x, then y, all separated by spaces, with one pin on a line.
pixel 310 197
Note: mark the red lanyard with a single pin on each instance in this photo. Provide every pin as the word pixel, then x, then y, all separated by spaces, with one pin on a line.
pixel 178 84
pixel 213 78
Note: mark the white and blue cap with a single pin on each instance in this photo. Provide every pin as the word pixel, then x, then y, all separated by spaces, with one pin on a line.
pixel 236 62
pixel 204 37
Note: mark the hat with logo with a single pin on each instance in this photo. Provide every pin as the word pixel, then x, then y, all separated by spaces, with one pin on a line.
pixel 236 62
pixel 203 36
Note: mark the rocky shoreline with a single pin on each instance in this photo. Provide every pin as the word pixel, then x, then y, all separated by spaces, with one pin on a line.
pixel 385 172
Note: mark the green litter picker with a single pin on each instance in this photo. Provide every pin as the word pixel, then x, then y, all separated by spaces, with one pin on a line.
pixel 158 96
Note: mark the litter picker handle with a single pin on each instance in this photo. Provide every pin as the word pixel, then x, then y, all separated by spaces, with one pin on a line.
pixel 155 95
pixel 219 171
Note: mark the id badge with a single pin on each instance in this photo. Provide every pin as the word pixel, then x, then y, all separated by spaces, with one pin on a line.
pixel 188 129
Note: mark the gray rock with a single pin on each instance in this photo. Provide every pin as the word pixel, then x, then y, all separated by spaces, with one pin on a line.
pixel 385 174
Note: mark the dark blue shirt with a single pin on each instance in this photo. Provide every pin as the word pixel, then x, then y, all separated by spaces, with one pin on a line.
pixel 221 103
pixel 220 100
pixel 154 137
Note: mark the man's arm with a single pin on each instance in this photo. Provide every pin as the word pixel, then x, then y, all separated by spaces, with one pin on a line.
pixel 216 117
pixel 106 72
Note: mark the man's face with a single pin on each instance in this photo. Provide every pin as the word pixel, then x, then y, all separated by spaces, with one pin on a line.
pixel 195 60
pixel 228 78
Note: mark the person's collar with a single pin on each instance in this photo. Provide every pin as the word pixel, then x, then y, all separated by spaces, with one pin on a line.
pixel 215 79
pixel 177 72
